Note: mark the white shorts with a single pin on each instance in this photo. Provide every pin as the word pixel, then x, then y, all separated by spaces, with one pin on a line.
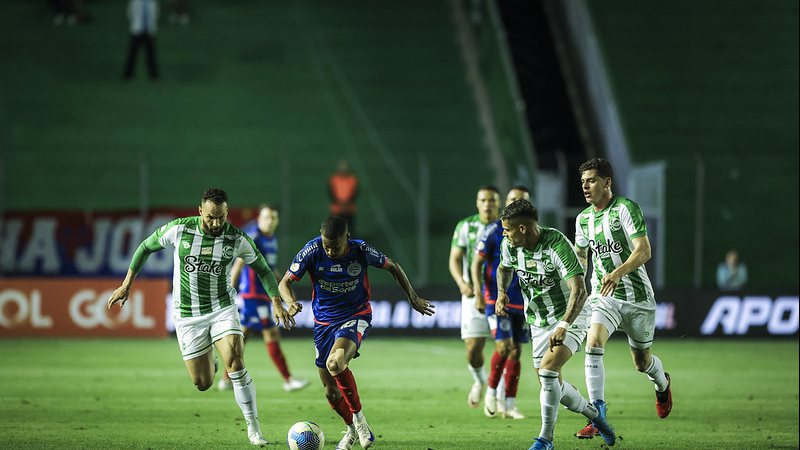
pixel 473 322
pixel 197 334
pixel 540 337
pixel 637 320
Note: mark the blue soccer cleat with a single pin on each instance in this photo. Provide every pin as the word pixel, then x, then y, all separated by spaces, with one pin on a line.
pixel 541 444
pixel 604 428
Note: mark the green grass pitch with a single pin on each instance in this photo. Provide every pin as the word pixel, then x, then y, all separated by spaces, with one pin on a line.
pixel 136 394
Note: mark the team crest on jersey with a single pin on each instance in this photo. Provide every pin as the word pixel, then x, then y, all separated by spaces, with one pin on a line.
pixel 354 269
pixel 549 266
pixel 615 224
pixel 294 267
pixel 227 251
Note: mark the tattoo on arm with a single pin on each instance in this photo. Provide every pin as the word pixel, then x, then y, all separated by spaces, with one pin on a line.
pixel 577 297
pixel 504 277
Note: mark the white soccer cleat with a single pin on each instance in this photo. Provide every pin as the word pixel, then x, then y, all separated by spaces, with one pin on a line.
pixel 224 384
pixel 475 394
pixel 365 436
pixel 348 439
pixel 501 403
pixel 294 384
pixel 490 404
pixel 513 413
pixel 257 439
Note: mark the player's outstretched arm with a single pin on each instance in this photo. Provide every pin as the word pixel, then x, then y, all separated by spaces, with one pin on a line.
pixel 270 283
pixel 475 270
pixel 419 304
pixel 120 294
pixel 236 272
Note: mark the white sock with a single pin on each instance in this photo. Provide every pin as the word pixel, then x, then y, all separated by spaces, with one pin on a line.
pixel 656 374
pixel 244 390
pixel 477 374
pixel 511 403
pixel 575 402
pixel 358 415
pixel 595 373
pixel 501 386
pixel 549 398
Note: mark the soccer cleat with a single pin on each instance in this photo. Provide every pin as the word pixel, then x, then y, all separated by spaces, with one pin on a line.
pixel 257 439
pixel 513 413
pixel 587 432
pixel 348 439
pixel 664 400
pixel 541 444
pixel 224 384
pixel 475 394
pixel 604 428
pixel 490 405
pixel 365 436
pixel 294 384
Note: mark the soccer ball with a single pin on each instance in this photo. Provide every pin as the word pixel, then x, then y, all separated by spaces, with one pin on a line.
pixel 305 435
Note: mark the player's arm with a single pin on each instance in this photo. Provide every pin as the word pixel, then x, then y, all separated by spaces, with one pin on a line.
pixel 504 277
pixel 577 298
pixel 236 271
pixel 639 256
pixel 150 245
pixel 583 255
pixel 456 256
pixel 420 304
pixel 270 283
pixel 475 270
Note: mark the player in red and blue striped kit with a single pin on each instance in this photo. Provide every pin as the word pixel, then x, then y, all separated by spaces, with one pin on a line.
pixel 509 331
pixel 337 266
pixel 255 308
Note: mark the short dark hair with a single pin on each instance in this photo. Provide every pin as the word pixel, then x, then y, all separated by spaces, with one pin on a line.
pixel 520 209
pixel 602 167
pixel 520 187
pixel 334 227
pixel 489 187
pixel 218 196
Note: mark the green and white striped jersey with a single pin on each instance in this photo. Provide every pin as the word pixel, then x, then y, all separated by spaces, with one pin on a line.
pixel 543 273
pixel 466 235
pixel 201 278
pixel 610 235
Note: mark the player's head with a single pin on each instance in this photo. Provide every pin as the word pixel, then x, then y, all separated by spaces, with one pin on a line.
pixel 268 218
pixel 519 218
pixel 488 203
pixel 213 211
pixel 596 180
pixel 516 193
pixel 334 233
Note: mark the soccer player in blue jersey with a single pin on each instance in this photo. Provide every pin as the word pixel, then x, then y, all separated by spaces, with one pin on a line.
pixel 254 302
pixel 338 266
pixel 509 331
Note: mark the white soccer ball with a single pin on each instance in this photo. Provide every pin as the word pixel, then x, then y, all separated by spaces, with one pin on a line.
pixel 305 435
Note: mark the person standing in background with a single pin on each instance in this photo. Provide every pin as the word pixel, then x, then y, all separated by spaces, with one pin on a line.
pixel 143 19
pixel 731 273
pixel 343 191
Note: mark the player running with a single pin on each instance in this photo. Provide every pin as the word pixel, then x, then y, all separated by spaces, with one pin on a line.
pixel 474 326
pixel 338 266
pixel 509 331
pixel 205 314
pixel 553 287
pixel 254 302
pixel 622 297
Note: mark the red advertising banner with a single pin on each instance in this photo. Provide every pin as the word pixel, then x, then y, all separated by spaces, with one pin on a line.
pixel 50 307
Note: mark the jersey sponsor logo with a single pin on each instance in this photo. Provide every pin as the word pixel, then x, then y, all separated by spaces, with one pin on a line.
pixel 615 224
pixel 186 245
pixel 195 264
pixel 534 279
pixel 205 251
pixel 603 250
pixel 368 249
pixel 354 269
pixel 227 251
pixel 304 252
pixel 294 267
pixel 530 264
pixel 336 268
pixel 341 287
